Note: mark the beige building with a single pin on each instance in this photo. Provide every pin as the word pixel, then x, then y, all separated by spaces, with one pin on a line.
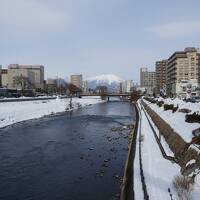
pixel 25 76
pixel 0 75
pixel 183 72
pixel 77 80
pixel 4 78
pixel 161 67
pixel 147 80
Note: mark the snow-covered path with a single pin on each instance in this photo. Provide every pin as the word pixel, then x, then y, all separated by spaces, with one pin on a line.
pixel 137 187
pixel 158 171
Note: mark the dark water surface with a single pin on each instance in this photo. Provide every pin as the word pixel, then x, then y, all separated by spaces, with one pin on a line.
pixel 69 157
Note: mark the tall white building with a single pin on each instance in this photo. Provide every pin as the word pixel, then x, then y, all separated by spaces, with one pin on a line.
pixel 126 86
pixel 85 87
pixel 147 80
pixel 77 80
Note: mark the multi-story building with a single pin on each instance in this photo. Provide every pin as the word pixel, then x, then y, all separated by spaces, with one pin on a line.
pixel 77 80
pixel 4 78
pixel 0 76
pixel 51 86
pixel 161 67
pixel 121 87
pixel 183 72
pixel 85 87
pixel 25 76
pixel 147 80
pixel 129 86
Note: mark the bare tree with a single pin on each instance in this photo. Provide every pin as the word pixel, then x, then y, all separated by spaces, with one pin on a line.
pixel 183 186
pixel 21 80
pixel 73 89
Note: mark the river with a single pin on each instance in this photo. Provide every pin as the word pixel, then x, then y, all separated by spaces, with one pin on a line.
pixel 73 156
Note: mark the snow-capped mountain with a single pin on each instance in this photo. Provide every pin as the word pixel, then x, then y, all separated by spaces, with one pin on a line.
pixel 110 80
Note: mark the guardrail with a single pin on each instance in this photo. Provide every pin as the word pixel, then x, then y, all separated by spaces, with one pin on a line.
pixel 127 192
pixel 144 186
pixel 164 154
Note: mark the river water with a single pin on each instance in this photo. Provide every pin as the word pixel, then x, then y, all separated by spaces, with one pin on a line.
pixel 74 156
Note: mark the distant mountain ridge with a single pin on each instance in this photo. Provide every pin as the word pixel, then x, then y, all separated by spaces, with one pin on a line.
pixel 111 81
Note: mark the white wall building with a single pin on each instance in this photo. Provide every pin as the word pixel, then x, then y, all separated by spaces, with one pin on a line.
pixel 77 80
pixel 85 87
pixel 25 76
pixel 126 86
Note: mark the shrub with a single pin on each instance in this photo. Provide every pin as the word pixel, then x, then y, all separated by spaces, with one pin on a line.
pixel 184 110
pixel 183 186
pixel 168 107
pixel 160 103
pixel 175 109
pixel 151 100
pixel 192 118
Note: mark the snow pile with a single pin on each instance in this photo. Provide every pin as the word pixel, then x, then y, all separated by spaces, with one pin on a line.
pixel 177 120
pixel 194 107
pixel 13 112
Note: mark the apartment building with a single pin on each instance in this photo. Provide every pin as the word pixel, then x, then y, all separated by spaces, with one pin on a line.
pixel 183 72
pixel 85 87
pixel 4 78
pixel 26 76
pixel 0 76
pixel 161 68
pixel 77 80
pixel 126 86
pixel 147 80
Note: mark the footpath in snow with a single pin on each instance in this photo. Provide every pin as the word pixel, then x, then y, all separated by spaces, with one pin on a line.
pixel 13 112
pixel 159 172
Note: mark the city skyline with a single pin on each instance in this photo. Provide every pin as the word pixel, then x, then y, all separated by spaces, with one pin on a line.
pixel 95 37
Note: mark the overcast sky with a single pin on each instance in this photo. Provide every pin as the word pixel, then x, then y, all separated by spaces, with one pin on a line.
pixel 95 37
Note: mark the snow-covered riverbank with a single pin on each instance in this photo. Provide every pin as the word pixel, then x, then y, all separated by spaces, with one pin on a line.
pixel 177 119
pixel 13 112
pixel 159 172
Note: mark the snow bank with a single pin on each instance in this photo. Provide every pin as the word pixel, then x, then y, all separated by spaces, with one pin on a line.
pixel 177 120
pixel 159 173
pixel 13 112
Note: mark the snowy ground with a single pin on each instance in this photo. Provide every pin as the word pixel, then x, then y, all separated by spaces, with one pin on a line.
pixel 13 112
pixel 159 172
pixel 177 120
